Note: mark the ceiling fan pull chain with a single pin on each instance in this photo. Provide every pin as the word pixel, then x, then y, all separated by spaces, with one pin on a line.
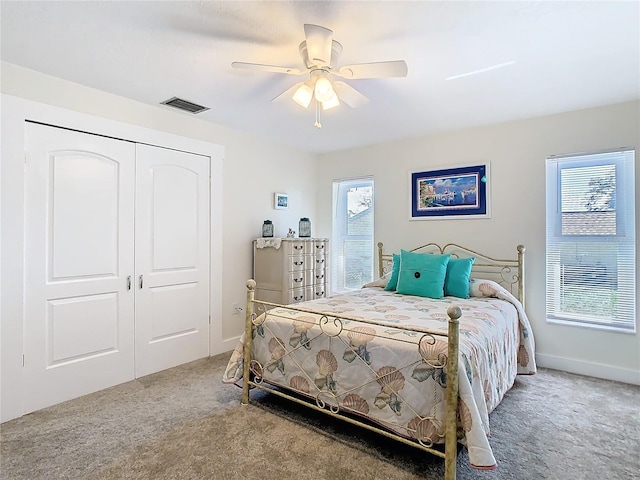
pixel 317 124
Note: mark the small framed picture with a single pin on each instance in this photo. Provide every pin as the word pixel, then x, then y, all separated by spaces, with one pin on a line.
pixel 281 201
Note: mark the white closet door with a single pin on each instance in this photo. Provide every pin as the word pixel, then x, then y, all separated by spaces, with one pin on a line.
pixel 171 257
pixel 79 254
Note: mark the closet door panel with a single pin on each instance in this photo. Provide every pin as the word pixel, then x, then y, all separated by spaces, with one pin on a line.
pixel 172 258
pixel 79 255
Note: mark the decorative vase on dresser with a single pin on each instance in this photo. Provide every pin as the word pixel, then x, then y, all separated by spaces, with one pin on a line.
pixel 291 270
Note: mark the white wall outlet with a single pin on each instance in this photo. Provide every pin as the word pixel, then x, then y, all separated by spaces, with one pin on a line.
pixel 237 309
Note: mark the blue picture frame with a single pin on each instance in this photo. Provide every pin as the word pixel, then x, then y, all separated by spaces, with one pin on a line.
pixel 461 192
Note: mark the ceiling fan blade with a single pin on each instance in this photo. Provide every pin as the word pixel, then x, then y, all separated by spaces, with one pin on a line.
pixel 267 68
pixel 349 95
pixel 395 68
pixel 319 40
pixel 288 93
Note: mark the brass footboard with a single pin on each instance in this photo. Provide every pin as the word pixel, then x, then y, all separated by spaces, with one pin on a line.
pixel 333 325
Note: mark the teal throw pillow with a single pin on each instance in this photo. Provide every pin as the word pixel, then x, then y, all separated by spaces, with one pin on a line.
pixel 422 274
pixel 395 269
pixel 456 283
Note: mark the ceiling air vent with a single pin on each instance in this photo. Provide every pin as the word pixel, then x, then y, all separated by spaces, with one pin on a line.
pixel 185 105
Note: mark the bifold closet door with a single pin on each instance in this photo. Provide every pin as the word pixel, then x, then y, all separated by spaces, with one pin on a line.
pixel 79 227
pixel 171 258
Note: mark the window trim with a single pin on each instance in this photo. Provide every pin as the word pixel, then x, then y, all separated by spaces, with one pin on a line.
pixel 624 161
pixel 364 180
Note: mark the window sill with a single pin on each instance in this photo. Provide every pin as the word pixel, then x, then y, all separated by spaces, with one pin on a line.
pixel 591 326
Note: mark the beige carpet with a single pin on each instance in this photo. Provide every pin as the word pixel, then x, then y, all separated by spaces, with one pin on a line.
pixel 184 424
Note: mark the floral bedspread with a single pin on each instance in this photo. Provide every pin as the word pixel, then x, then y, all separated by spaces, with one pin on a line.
pixel 366 369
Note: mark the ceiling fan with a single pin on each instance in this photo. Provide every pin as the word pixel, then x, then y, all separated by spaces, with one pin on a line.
pixel 320 54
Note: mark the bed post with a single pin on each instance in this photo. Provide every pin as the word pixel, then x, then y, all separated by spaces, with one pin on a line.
pixel 451 429
pixel 380 265
pixel 248 337
pixel 521 249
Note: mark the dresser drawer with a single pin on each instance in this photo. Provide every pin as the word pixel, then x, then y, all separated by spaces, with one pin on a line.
pixel 297 247
pixel 296 295
pixel 319 260
pixel 319 291
pixel 319 276
pixel 320 246
pixel 297 263
pixel 297 279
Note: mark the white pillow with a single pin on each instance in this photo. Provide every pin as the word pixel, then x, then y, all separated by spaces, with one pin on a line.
pixel 381 282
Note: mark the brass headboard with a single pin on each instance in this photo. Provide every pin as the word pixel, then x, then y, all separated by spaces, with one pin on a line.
pixel 508 273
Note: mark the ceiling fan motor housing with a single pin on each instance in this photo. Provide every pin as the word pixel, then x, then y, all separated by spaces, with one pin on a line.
pixel 336 51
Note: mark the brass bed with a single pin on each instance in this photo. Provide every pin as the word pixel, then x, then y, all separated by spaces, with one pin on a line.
pixel 331 328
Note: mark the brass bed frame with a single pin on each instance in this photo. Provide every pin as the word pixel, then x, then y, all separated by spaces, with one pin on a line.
pixel 509 273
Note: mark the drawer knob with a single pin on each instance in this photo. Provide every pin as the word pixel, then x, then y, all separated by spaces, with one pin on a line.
pixel 320 246
pixel 298 263
pixel 298 280
pixel 320 260
pixel 319 277
pixel 298 247
pixel 298 298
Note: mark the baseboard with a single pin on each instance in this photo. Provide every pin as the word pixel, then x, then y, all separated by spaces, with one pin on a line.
pixel 597 370
pixel 225 345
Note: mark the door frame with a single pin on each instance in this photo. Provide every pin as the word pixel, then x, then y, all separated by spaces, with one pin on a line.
pixel 15 112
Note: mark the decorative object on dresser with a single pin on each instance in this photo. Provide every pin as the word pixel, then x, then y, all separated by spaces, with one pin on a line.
pixel 267 228
pixel 304 227
pixel 293 271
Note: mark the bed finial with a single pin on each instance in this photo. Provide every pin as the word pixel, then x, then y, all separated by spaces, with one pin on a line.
pixel 251 284
pixel 454 312
pixel 521 248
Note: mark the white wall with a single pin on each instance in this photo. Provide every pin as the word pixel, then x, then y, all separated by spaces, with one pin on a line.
pixel 253 169
pixel 517 152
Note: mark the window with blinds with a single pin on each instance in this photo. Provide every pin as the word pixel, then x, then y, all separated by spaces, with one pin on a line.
pixel 591 244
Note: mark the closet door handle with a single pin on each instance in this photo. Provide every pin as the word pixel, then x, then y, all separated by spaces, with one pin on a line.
pixel 140 281
pixel 129 282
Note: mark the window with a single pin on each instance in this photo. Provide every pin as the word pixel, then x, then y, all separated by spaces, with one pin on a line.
pixel 591 245
pixel 352 255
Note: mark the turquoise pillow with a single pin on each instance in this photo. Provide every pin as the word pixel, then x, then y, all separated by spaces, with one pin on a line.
pixel 456 283
pixel 395 269
pixel 422 274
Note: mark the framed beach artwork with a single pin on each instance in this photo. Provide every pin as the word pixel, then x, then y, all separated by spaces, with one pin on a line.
pixel 281 201
pixel 460 192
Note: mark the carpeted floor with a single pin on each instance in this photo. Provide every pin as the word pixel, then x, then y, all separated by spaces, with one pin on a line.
pixel 184 423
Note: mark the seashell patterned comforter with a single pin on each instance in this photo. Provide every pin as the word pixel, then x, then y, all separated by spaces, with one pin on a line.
pixel 395 377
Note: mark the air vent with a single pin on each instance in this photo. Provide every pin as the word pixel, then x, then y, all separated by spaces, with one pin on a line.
pixel 185 105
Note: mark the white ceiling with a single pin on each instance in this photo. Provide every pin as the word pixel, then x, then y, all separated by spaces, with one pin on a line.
pixel 568 56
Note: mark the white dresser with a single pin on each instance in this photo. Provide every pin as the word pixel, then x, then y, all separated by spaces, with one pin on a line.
pixel 295 272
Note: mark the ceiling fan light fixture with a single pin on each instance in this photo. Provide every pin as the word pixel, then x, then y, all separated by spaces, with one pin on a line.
pixel 303 95
pixel 332 102
pixel 324 90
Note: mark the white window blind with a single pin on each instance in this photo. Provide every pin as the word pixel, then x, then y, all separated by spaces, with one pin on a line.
pixel 352 252
pixel 591 244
